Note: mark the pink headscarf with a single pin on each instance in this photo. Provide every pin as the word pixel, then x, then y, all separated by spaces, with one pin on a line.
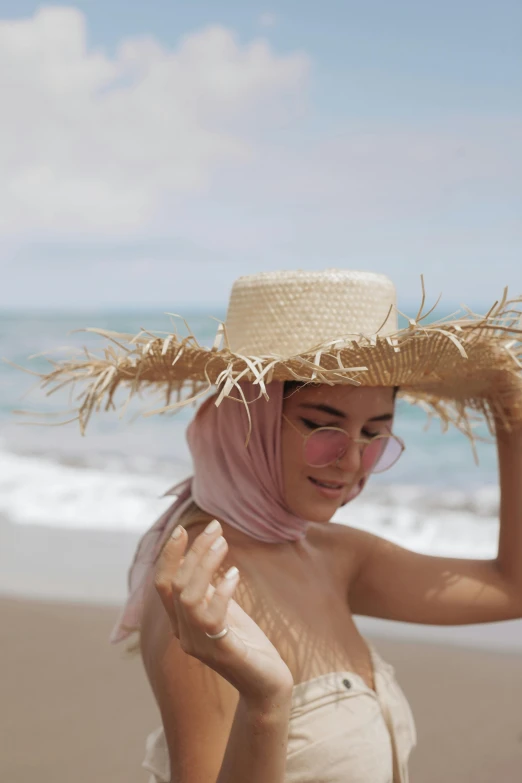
pixel 241 485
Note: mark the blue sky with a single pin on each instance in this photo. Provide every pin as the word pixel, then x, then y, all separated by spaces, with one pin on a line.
pixel 152 152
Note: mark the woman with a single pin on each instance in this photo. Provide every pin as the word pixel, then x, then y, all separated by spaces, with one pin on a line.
pixel 243 591
pixel 291 622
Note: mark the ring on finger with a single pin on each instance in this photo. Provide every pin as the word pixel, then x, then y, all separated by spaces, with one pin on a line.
pixel 218 635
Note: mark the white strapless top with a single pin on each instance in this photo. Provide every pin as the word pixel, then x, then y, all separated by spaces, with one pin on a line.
pixel 340 731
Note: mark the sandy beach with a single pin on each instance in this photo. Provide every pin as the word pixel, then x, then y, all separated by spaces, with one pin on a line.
pixel 75 708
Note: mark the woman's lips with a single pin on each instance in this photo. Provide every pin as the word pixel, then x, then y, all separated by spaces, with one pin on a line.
pixel 327 492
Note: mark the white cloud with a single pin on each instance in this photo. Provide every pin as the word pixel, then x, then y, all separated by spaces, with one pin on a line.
pixel 268 19
pixel 166 172
pixel 92 142
pixel 392 171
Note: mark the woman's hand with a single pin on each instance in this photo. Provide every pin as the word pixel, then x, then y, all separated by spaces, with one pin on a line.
pixel 244 656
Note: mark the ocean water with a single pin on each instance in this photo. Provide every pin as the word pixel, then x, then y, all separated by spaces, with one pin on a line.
pixel 435 500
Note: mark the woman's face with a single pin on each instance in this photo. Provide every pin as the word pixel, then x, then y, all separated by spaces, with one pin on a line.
pixel 361 412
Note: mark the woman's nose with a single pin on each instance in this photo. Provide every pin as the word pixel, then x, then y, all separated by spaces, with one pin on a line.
pixel 350 462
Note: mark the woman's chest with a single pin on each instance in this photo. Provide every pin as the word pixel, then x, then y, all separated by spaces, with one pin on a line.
pixel 304 611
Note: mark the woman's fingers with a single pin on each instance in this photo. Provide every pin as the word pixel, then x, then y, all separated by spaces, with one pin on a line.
pixel 200 546
pixel 183 581
pixel 194 595
pixel 217 607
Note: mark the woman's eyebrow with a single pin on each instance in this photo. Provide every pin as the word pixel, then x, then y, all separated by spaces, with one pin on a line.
pixel 335 412
pixel 324 409
pixel 384 417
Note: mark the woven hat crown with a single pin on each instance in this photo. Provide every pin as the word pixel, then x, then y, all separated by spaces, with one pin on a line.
pixel 290 312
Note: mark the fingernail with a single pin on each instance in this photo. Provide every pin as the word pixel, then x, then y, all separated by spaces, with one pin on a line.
pixel 232 573
pixel 213 527
pixel 218 543
pixel 178 530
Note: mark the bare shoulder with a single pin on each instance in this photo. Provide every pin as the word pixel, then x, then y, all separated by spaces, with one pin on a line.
pixel 345 547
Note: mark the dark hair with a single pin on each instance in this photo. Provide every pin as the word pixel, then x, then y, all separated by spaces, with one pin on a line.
pixel 291 386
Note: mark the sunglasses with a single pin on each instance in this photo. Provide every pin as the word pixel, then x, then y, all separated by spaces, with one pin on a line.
pixel 327 445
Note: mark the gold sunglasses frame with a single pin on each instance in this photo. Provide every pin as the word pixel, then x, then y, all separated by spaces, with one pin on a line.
pixel 364 441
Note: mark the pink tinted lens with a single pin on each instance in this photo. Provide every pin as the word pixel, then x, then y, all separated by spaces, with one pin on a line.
pixel 381 454
pixel 324 447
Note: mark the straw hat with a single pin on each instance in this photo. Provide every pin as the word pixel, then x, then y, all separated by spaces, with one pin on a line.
pixel 333 326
